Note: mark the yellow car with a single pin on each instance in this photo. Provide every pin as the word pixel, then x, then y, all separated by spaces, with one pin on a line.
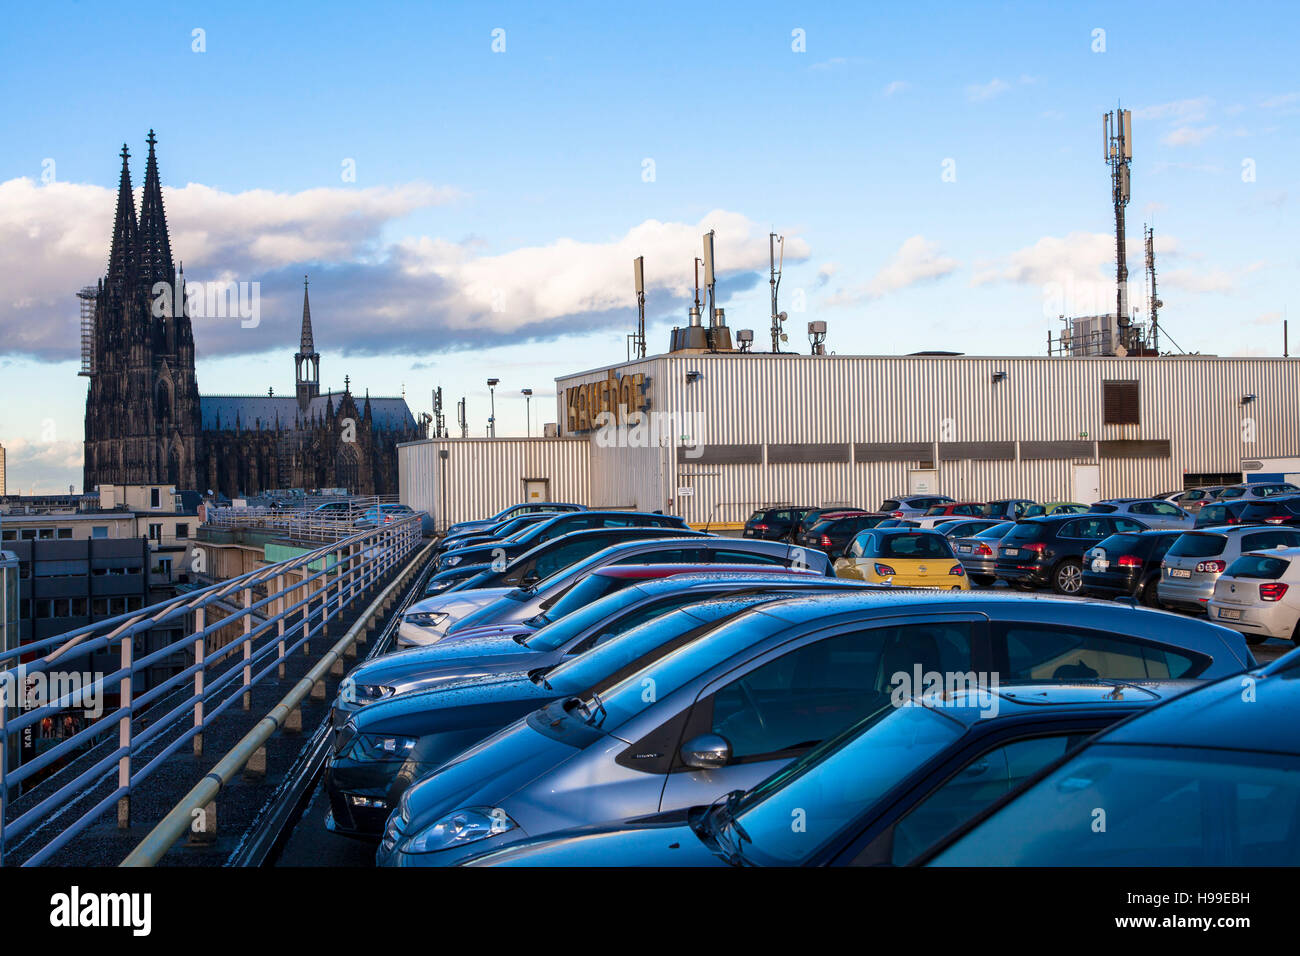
pixel 904 557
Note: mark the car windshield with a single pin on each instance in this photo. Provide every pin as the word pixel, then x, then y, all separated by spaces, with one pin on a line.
pixel 916 545
pixel 1258 566
pixel 1164 806
pixel 580 617
pixel 834 783
pixel 1232 492
pixel 997 530
pixel 577 596
pixel 1198 545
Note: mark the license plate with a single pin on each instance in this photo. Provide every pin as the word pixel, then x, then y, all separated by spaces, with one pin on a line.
pixel 1228 614
pixel 1100 564
pixel 1011 552
pixel 1179 573
pixel 963 549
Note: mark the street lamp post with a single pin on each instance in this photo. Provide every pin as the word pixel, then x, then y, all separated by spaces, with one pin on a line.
pixel 492 414
pixel 528 411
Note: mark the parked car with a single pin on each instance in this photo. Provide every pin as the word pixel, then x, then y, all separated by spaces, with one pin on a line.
pixel 978 553
pixel 556 527
pixel 903 558
pixel 1216 513
pixel 1055 508
pixel 450 705
pixel 833 533
pixel 1252 491
pixel 966 527
pixel 1008 509
pixel 814 515
pixel 514 511
pixel 1197 498
pixel 1127 565
pixel 911 506
pixel 1208 779
pixel 774 524
pixel 898 523
pixel 1192 566
pixel 881 793
pixel 937 514
pixel 502 529
pixel 1278 510
pixel 1259 595
pixel 1048 551
pixel 435 619
pixel 743 701
pixel 1152 512
pixel 377 515
pixel 444 581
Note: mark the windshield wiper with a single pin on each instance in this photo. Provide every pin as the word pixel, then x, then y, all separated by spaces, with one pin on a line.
pixel 717 831
pixel 538 676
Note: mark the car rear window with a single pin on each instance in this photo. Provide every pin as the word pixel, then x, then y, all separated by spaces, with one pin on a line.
pixel 890 504
pixel 997 530
pixel 920 545
pixel 1103 509
pixel 758 516
pixel 1198 545
pixel 1232 492
pixel 1122 544
pixel 1024 533
pixel 1259 510
pixel 1258 566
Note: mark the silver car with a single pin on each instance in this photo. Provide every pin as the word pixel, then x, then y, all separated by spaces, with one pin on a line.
pixel 1192 566
pixel 744 700
pixel 437 618
pixel 978 553
pixel 1155 513
pixel 912 506
pixel 1253 491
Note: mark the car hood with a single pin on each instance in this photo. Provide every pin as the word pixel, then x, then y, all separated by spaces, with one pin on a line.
pixel 465 701
pixel 671 843
pixel 392 670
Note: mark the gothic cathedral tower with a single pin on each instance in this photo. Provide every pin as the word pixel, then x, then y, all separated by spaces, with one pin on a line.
pixel 142 410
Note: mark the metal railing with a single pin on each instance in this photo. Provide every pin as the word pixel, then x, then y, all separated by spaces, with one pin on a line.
pixel 303 524
pixel 234 635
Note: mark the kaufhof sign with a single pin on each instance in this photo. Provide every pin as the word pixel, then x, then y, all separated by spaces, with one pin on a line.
pixel 621 396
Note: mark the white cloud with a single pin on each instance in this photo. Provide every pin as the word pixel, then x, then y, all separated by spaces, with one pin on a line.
pixel 1189 135
pixel 1178 111
pixel 917 260
pixel 978 92
pixel 1280 101
pixel 897 86
pixel 1210 280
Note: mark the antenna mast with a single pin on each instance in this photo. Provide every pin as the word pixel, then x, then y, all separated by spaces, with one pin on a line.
pixel 775 282
pixel 1155 304
pixel 1117 127
pixel 636 341
pixel 460 413
pixel 439 419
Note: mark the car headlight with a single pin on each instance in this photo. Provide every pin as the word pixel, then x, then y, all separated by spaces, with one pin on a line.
pixel 425 618
pixel 369 692
pixel 452 561
pixel 381 747
pixel 463 826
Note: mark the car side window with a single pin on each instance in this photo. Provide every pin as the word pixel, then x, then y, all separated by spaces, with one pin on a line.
pixel 984 779
pixel 633 619
pixel 1262 540
pixel 813 692
pixel 1052 652
pixel 665 556
pixel 746 557
pixel 1126 524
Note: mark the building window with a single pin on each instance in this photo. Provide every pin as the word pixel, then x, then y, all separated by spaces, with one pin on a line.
pixel 79 607
pixel 28 534
pixel 1120 402
pixel 155 499
pixel 62 607
pixel 155 532
pixel 45 534
pixel 65 533
pixel 99 607
pixel 99 531
pixel 9 535
pixel 182 530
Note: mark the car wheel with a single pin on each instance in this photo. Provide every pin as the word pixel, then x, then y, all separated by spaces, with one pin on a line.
pixel 982 580
pixel 1253 639
pixel 1068 577
pixel 1148 595
pixel 1295 634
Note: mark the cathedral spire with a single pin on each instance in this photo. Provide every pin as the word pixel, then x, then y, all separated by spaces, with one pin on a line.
pixel 155 250
pixel 121 258
pixel 307 346
pixel 306 363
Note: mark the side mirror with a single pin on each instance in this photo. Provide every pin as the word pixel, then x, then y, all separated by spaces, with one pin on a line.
pixel 706 752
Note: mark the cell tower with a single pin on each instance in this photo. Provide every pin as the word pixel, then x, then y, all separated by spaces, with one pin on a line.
pixel 1155 303
pixel 439 419
pixel 87 296
pixel 1117 128
pixel 778 318
pixel 636 341
pixel 464 422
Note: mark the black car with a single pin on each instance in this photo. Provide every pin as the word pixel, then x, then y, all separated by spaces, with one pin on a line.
pixel 774 524
pixel 498 551
pixel 1048 551
pixel 502 529
pixel 833 533
pixel 1208 779
pixel 1283 511
pixel 446 580
pixel 1128 565
pixel 1220 513
pixel 814 515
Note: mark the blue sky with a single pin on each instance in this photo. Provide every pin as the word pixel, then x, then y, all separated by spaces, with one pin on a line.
pixel 521 174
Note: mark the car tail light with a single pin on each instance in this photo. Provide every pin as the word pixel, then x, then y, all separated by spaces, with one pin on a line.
pixel 983 549
pixel 885 571
pixel 1274 520
pixel 1129 561
pixel 826 541
pixel 1272 591
pixel 958 570
pixel 760 527
pixel 896 514
pixel 1211 567
pixel 1037 547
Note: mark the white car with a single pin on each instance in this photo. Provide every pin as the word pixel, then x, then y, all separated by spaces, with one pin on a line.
pixel 1259 595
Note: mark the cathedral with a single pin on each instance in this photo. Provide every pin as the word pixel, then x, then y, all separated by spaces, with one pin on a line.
pixel 146 422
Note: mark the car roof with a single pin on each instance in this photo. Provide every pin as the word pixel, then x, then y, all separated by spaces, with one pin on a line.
pixel 1291 552
pixel 653 571
pixel 1254 712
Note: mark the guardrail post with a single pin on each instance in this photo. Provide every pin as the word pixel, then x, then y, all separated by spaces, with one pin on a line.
pixel 305 596
pixel 200 659
pixel 248 648
pixel 4 763
pixel 278 605
pixel 124 730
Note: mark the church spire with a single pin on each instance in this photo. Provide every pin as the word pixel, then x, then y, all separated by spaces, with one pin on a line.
pixel 155 250
pixel 306 363
pixel 121 258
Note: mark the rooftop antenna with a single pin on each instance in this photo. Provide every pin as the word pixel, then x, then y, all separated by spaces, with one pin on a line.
pixel 1117 128
pixel 636 341
pixel 773 240
pixel 1155 304
pixel 708 277
pixel 460 412
pixel 439 419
